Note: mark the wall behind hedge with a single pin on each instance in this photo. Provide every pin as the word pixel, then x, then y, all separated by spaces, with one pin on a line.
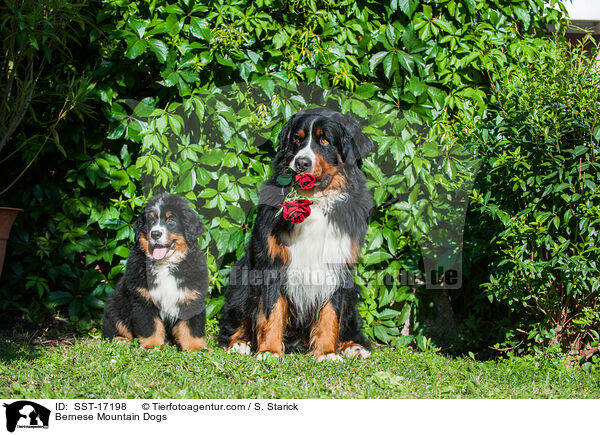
pixel 161 69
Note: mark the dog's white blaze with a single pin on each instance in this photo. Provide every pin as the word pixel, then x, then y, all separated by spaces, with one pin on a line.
pixel 318 255
pixel 306 151
pixel 167 294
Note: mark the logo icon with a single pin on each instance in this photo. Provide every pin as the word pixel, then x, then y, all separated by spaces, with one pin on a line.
pixel 26 414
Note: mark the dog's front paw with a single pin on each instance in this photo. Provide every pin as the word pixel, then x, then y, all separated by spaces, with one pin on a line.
pixel 330 357
pixel 262 356
pixel 240 347
pixel 356 351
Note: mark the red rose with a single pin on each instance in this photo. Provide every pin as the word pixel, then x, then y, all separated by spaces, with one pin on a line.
pixel 305 181
pixel 296 211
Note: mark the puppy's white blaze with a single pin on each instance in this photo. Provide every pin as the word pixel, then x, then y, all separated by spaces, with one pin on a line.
pixel 167 294
pixel 318 255
pixel 162 240
pixel 157 226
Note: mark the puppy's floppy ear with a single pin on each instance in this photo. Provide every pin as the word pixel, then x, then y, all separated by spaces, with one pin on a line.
pixel 355 144
pixel 192 225
pixel 140 225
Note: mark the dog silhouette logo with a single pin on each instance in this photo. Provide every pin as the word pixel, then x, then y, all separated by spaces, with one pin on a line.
pixel 26 414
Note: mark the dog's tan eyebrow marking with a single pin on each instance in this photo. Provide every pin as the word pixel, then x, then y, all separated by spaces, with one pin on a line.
pixel 152 215
pixel 301 134
pixel 168 214
pixel 319 131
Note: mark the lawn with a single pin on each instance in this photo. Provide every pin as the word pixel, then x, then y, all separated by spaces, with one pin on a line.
pixel 92 368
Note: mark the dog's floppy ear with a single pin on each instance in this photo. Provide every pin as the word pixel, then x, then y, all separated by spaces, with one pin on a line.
pixel 192 225
pixel 283 145
pixel 284 134
pixel 355 144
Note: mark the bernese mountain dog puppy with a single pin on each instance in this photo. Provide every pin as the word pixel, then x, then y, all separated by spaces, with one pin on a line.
pixel 294 289
pixel 161 297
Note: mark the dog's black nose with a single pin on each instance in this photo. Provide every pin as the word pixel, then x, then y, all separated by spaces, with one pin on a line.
pixel 303 164
pixel 155 235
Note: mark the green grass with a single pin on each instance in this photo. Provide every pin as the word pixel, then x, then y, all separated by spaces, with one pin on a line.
pixel 93 368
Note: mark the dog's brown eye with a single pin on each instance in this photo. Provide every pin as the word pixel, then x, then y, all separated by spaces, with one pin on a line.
pixel 170 220
pixel 324 141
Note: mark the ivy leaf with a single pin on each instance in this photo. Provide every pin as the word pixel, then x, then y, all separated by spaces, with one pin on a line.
pixel 137 49
pixel 408 6
pixel 280 39
pixel 390 64
pixel 376 59
pixel 173 25
pixel 159 48
pixel 139 27
pixel 200 28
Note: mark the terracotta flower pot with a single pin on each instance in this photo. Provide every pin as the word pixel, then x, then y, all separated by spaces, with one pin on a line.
pixel 7 217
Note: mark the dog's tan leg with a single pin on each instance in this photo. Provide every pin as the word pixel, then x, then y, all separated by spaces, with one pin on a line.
pixel 240 340
pixel 270 330
pixel 324 334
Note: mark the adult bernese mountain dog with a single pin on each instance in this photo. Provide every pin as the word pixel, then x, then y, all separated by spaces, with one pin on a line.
pixel 294 288
pixel 161 297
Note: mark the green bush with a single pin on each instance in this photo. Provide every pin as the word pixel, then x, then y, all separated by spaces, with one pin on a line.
pixel 37 71
pixel 162 67
pixel 536 203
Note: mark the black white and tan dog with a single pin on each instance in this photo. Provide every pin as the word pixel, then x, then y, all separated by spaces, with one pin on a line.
pixel 161 297
pixel 294 289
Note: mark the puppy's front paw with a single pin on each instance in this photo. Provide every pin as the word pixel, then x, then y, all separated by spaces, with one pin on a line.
pixel 196 344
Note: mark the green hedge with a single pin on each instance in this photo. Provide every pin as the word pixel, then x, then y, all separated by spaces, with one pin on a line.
pixel 238 70
pixel 536 204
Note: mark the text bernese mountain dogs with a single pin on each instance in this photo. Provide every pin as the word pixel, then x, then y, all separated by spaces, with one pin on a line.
pixel 294 288
pixel 161 297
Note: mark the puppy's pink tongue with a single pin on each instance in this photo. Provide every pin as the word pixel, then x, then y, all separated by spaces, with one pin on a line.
pixel 159 253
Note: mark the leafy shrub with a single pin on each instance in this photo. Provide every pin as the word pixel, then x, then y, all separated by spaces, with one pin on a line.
pixel 536 201
pixel 35 72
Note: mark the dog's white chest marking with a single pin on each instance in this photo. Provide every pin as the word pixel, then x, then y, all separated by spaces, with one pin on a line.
pixel 319 252
pixel 167 294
